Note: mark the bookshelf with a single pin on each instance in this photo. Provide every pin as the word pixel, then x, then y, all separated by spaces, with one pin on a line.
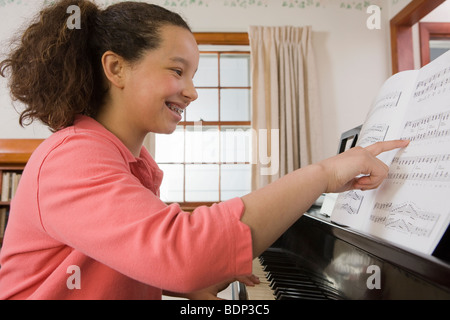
pixel 14 154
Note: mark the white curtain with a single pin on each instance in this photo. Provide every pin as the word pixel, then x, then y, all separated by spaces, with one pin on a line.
pixel 286 116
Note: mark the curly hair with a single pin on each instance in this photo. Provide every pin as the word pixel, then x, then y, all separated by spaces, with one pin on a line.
pixel 56 71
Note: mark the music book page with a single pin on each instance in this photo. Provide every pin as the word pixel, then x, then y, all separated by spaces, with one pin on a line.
pixel 410 208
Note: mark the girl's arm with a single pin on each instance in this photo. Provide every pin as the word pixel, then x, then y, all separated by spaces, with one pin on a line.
pixel 269 211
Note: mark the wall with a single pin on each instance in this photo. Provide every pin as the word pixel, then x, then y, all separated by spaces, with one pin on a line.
pixel 352 61
pixel 13 16
pixel 395 6
pixel 440 14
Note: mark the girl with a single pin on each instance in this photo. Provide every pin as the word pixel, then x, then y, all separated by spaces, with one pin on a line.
pixel 88 199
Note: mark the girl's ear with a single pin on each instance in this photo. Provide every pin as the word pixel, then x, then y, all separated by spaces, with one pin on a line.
pixel 114 68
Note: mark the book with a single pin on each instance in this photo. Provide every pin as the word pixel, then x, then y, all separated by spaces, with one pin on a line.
pixel 3 220
pixel 10 182
pixel 15 178
pixel 410 208
pixel 6 186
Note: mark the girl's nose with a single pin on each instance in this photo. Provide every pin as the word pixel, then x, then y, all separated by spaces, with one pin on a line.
pixel 190 92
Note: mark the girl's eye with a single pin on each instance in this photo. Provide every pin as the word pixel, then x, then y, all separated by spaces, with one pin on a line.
pixel 178 72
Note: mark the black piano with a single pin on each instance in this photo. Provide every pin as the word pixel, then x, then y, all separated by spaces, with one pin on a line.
pixel 318 259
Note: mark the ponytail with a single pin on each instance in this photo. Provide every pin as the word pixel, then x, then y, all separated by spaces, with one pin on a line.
pixel 56 70
pixel 51 64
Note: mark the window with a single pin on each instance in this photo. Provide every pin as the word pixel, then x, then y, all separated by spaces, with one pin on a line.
pixel 208 158
pixel 434 40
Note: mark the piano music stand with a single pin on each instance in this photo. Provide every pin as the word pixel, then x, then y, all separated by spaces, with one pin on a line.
pixel 350 136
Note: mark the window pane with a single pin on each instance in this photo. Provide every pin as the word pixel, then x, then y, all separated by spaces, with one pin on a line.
pixel 207 72
pixel 438 48
pixel 234 70
pixel 236 144
pixel 202 144
pixel 202 182
pixel 235 180
pixel 169 147
pixel 172 186
pixel 206 107
pixel 235 105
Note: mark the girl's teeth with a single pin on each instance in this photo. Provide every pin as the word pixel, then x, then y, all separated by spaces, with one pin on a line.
pixel 177 110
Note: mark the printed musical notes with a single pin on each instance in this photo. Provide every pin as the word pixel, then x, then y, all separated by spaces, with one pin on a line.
pixel 386 101
pixel 430 127
pixel 404 217
pixel 374 133
pixel 351 202
pixel 434 85
pixel 389 100
pixel 421 168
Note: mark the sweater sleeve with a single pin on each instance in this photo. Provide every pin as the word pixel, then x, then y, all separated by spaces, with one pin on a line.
pixel 89 200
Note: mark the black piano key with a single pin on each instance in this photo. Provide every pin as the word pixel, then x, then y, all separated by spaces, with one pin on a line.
pixel 292 284
pixel 271 276
pixel 300 290
pixel 294 294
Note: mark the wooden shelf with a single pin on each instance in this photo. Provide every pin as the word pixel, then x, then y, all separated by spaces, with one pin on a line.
pixel 16 152
pixel 14 155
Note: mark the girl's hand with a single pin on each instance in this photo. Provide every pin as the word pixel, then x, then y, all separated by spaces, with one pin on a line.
pixel 358 168
pixel 212 292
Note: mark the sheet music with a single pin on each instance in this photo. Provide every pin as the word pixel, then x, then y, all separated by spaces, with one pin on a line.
pixel 411 207
pixel 393 97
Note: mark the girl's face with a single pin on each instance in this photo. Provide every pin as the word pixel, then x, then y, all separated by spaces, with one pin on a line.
pixel 159 86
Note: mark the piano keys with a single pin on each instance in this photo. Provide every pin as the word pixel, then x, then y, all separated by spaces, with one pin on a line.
pixel 261 291
pixel 283 279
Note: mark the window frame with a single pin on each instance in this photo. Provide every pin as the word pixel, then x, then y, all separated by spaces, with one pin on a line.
pixel 402 52
pixel 431 31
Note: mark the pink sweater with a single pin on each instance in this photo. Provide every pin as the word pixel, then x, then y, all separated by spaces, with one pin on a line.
pixel 86 202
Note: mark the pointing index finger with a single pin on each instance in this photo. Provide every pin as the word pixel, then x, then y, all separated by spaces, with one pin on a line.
pixel 383 146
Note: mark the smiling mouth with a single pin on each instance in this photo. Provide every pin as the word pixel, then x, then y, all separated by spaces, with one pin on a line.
pixel 174 108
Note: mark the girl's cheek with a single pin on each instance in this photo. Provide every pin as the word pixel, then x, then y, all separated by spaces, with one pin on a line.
pixel 174 86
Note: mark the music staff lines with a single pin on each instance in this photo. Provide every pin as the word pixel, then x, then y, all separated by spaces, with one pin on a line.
pixel 437 84
pixel 435 126
pixel 351 201
pixel 388 101
pixel 373 134
pixel 423 168
pixel 405 218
